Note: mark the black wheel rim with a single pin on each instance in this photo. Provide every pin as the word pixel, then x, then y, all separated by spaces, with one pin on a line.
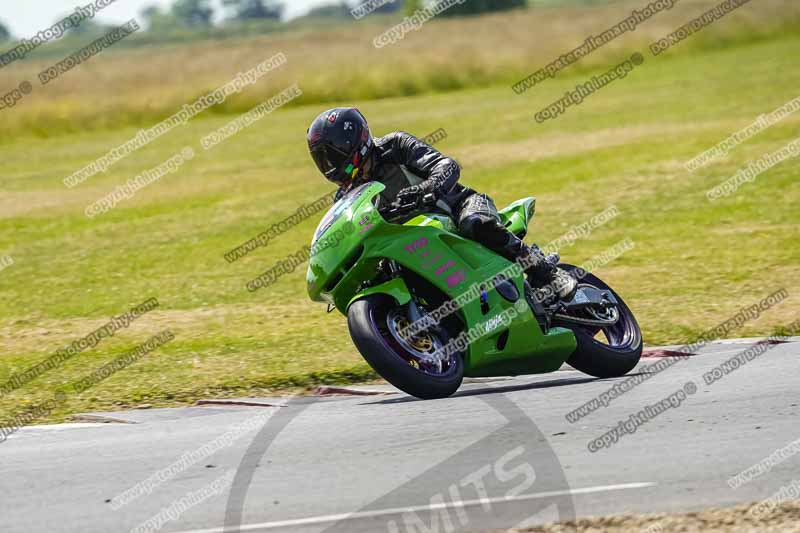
pixel 399 347
pixel 622 335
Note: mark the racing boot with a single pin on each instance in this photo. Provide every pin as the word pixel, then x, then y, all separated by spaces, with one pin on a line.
pixel 550 282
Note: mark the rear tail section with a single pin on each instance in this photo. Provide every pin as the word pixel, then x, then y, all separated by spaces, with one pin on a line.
pixel 516 216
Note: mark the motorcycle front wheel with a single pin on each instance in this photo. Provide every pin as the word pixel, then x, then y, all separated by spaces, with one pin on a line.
pixel 409 363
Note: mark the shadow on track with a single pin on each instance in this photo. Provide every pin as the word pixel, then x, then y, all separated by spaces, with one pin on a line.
pixel 501 389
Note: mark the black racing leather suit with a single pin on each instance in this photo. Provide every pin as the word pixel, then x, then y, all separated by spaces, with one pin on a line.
pixel 402 160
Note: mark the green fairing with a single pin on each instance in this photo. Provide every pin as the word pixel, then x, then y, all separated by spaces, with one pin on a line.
pixel 347 253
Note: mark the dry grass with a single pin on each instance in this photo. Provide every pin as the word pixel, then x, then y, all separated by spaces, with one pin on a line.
pixel 784 518
pixel 136 86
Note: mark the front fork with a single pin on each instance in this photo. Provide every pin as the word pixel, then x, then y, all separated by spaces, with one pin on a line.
pixel 414 313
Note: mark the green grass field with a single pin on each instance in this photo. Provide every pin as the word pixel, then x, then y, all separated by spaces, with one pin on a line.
pixel 694 264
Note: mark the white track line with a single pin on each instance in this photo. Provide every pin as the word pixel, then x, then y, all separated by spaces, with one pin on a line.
pixel 314 520
pixel 48 428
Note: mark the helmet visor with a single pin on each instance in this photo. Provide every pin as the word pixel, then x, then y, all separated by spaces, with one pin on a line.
pixel 330 162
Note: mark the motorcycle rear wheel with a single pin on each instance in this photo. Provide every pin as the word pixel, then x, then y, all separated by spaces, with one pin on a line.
pixel 608 351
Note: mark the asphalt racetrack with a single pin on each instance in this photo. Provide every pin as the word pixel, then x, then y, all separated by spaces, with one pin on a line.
pixel 500 453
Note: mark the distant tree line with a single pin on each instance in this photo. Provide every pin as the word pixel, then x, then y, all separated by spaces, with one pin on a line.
pixel 470 7
pixel 5 35
pixel 476 7
pixel 199 14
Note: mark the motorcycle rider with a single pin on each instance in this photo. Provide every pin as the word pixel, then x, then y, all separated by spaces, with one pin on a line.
pixel 344 150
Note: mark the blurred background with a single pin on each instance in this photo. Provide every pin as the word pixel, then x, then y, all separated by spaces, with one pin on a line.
pixel 63 274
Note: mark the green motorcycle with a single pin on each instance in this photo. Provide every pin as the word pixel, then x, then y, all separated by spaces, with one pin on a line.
pixel 426 307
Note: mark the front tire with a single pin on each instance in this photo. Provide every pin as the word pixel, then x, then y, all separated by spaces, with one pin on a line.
pixel 623 349
pixel 370 322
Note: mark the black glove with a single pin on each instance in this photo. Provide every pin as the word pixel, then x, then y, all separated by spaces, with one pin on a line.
pixel 413 194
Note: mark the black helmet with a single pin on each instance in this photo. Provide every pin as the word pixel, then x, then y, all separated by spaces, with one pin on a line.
pixel 340 143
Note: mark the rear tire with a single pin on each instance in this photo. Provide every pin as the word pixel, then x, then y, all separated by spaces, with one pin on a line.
pixel 367 322
pixel 597 358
